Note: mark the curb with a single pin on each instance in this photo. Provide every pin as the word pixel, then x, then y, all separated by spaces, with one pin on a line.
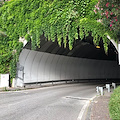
pixel 5 89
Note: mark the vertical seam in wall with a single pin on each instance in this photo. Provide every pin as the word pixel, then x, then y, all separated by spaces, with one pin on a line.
pixel 61 67
pixel 24 65
pixel 72 63
pixel 80 73
pixel 78 65
pixel 32 65
pixel 67 67
pixel 45 66
pixel 67 61
pixel 26 57
pixel 56 66
pixel 50 67
pixel 39 64
pixel 51 64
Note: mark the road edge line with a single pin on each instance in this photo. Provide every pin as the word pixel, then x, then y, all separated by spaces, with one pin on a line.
pixel 84 108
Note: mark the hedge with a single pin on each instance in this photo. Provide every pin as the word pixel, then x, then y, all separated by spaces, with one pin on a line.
pixel 114 105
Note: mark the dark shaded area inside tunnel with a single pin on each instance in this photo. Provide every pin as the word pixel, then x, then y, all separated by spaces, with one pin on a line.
pixel 81 49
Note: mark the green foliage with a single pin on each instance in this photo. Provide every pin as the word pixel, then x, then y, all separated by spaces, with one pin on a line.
pixel 9 52
pixel 110 14
pixel 86 25
pixel 2 2
pixel 114 104
pixel 5 55
pixel 55 19
pixel 59 19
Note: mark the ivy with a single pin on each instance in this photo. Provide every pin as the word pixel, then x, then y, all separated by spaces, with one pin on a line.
pixel 61 20
pixel 9 54
pixel 54 19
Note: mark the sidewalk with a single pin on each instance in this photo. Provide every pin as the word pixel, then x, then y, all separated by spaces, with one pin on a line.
pixel 98 109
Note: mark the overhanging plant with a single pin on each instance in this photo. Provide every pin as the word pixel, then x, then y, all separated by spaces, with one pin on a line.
pixel 110 14
pixel 55 19
pixel 66 20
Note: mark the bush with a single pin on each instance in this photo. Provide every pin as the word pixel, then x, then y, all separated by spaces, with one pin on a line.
pixel 114 104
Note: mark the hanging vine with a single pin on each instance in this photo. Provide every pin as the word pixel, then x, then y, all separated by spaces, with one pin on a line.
pixel 56 19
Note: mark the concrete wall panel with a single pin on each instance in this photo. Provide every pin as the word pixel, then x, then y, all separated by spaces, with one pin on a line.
pixel 58 68
pixel 48 67
pixel 35 66
pixel 67 72
pixel 72 68
pixel 28 66
pixel 40 54
pixel 76 68
pixel 64 68
pixel 23 56
pixel 42 67
pixel 53 68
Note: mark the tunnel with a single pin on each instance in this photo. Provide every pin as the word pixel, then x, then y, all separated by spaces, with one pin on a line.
pixel 51 62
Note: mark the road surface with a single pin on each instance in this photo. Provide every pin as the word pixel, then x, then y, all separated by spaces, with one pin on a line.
pixel 63 102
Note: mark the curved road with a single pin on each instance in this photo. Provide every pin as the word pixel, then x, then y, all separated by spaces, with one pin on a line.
pixel 63 102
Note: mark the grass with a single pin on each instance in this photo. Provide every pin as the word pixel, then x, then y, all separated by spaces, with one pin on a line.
pixel 114 104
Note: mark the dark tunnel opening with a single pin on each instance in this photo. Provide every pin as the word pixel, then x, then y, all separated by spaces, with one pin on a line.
pixel 84 63
pixel 81 49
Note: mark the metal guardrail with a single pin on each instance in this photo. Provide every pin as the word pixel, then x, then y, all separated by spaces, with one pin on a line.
pixel 100 89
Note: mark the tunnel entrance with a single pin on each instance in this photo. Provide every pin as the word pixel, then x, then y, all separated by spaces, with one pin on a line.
pixel 54 63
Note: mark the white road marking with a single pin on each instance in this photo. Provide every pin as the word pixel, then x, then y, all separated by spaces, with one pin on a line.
pixel 80 117
pixel 83 110
pixel 77 98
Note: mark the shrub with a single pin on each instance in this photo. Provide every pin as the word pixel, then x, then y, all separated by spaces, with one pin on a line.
pixel 114 104
pixel 9 53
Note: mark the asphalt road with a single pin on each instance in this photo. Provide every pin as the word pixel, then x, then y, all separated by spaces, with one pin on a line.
pixel 63 102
